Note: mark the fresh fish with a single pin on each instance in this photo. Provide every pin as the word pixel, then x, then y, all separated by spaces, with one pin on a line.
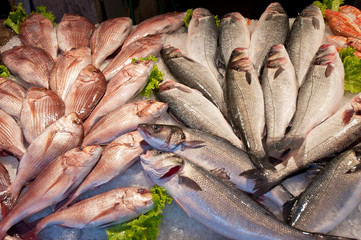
pixel 308 27
pixel 271 29
pixel 53 184
pixel 74 31
pixel 344 18
pixel 202 39
pixel 194 75
pixel 216 204
pixel 107 37
pixel 124 119
pixel 319 97
pixel 67 69
pixel 245 102
pixel 143 47
pixel 196 111
pixel 31 64
pixel 280 89
pixel 11 97
pixel 339 41
pixel 340 28
pixel 64 134
pixel 38 31
pixel 112 207
pixel 353 12
pixel 88 88
pixel 11 137
pixel 332 195
pixel 163 23
pixel 4 177
pixel 233 33
pixel 123 87
pixel 41 107
pixel 117 157
pixel 354 43
pixel 332 136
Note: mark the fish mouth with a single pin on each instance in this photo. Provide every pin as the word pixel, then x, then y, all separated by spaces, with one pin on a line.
pixel 142 129
pixel 171 172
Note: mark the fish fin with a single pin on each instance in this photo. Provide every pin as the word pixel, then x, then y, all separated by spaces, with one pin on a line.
pixel 347 115
pixel 329 70
pixel 354 169
pixel 248 78
pixel 262 181
pixel 269 16
pixel 181 206
pixel 188 59
pixel 189 183
pixel 315 23
pixel 192 144
pixel 278 72
pixel 288 208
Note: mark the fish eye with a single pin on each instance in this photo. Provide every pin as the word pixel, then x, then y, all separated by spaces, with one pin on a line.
pixel 76 121
pixel 80 148
pixel 42 89
pixel 141 191
pixel 156 128
pixel 151 101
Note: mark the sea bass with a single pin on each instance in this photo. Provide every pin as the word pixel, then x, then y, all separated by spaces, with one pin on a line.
pixel 11 97
pixel 112 207
pixel 271 29
pixel 53 184
pixel 308 27
pixel 41 107
pixel 107 37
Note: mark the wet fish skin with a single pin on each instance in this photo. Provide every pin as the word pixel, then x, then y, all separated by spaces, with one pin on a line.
pixel 64 134
pixel 308 27
pixel 74 31
pixel 332 195
pixel 67 69
pixel 4 177
pixel 38 31
pixel 112 207
pixel 53 184
pixel 344 18
pixel 107 37
pixel 85 93
pixel 353 12
pixel 122 88
pixel 124 119
pixel 354 43
pixel 11 97
pixel 339 28
pixel 11 137
pixel 41 107
pixel 271 29
pixel 31 64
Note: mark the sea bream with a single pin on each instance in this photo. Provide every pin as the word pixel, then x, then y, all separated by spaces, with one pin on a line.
pixel 11 97
pixel 53 184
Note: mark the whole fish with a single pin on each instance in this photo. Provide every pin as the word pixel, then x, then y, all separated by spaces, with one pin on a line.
pixel 74 31
pixel 112 207
pixel 31 64
pixel 308 27
pixel 325 80
pixel 162 23
pixel 38 31
pixel 11 97
pixel 332 195
pixel 117 157
pixel 87 90
pixel 124 119
pixel 196 111
pixel 64 134
pixel 123 87
pixel 332 136
pixel 271 29
pixel 202 39
pixel 340 28
pixel 280 89
pixel 53 184
pixel 233 33
pixel 194 75
pixel 143 47
pixel 339 41
pixel 245 103
pixel 107 37
pixel 41 107
pixel 67 69
pixel 11 137
pixel 344 18
pixel 215 203
pixel 353 12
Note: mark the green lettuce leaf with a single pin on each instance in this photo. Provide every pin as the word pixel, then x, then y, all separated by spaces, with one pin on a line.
pixel 4 71
pixel 43 11
pixel 16 18
pixel 188 17
pixel 145 227
pixel 329 4
pixel 352 66
pixel 217 20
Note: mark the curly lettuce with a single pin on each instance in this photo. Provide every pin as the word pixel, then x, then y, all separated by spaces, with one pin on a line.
pixel 352 66
pixel 188 17
pixel 328 4
pixel 16 18
pixel 4 71
pixel 43 11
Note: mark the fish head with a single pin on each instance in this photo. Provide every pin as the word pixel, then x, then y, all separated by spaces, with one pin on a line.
pixel 162 137
pixel 70 123
pixel 239 60
pixel 130 140
pixel 138 199
pixel 83 156
pixel 201 13
pixel 139 68
pixel 170 52
pixel 151 108
pixel 90 73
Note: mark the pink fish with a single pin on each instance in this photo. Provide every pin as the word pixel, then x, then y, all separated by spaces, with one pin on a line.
pixel 11 97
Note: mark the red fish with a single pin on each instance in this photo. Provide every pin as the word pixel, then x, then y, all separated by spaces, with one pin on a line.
pixel 11 97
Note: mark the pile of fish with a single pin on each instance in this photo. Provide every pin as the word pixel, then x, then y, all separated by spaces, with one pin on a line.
pixel 239 112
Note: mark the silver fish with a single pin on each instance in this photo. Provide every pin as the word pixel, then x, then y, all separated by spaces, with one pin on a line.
pixel 11 97
pixel 112 207
pixel 74 31
pixel 308 27
pixel 319 97
pixel 271 29
pixel 38 31
pixel 124 119
pixel 31 64
pixel 11 137
pixel 107 37
pixel 87 90
pixel 53 184
pixel 41 107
